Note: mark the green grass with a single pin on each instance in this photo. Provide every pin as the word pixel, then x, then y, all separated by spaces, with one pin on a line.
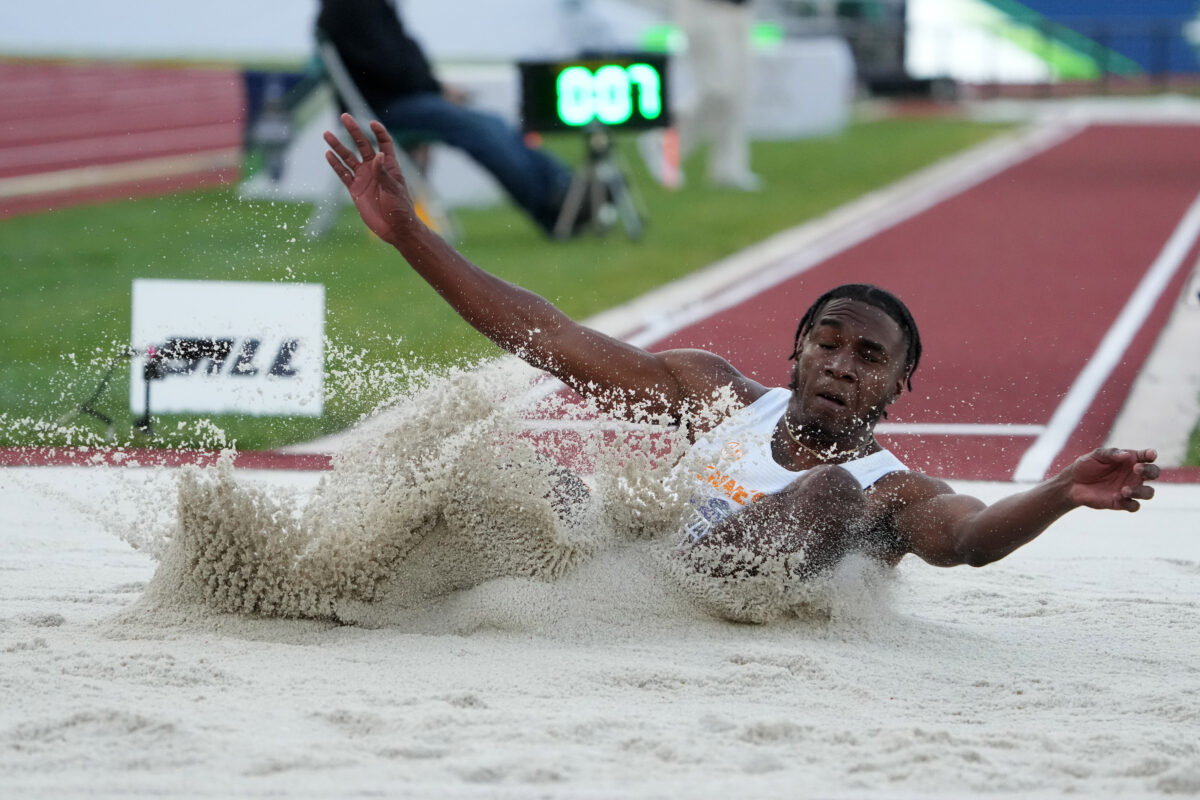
pixel 1192 459
pixel 65 276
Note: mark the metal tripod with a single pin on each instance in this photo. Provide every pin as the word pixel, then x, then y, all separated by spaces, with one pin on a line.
pixel 599 194
pixel 87 406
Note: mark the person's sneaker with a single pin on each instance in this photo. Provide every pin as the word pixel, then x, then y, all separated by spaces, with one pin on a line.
pixel 651 147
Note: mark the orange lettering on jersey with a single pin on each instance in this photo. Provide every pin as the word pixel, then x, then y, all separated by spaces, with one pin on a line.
pixel 713 477
pixel 735 491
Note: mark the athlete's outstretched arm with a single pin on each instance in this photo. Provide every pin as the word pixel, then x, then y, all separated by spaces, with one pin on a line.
pixel 518 320
pixel 947 529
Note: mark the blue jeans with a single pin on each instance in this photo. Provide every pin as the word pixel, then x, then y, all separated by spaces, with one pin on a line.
pixel 535 180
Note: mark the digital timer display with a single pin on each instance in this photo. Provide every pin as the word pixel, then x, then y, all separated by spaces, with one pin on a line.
pixel 628 92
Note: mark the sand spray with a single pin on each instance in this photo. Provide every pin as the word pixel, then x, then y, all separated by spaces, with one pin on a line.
pixel 468 505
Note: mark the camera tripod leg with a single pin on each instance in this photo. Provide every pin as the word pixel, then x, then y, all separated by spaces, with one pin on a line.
pixel 142 423
pixel 622 199
pixel 86 406
pixel 577 194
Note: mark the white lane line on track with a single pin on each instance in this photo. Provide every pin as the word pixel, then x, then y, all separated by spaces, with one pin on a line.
pixel 73 125
pixel 958 429
pixel 887 428
pixel 69 180
pixel 1036 461
pixel 128 145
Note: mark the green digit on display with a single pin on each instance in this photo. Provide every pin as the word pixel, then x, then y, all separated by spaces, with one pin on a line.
pixel 649 89
pixel 613 103
pixel 576 96
pixel 607 95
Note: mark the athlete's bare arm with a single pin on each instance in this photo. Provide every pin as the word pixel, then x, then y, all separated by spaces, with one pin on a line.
pixel 822 516
pixel 948 529
pixel 518 320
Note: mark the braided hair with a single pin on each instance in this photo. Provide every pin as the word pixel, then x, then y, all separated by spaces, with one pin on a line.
pixel 882 299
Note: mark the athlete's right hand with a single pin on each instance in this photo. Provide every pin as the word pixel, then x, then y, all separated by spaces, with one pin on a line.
pixel 374 179
pixel 1111 478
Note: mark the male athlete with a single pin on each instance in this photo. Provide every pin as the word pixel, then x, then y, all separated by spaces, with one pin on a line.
pixel 795 470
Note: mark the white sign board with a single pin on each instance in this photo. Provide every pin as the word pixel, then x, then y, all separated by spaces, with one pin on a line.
pixel 228 347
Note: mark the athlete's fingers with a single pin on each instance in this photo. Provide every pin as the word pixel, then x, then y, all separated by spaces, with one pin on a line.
pixel 360 139
pixel 1128 504
pixel 1147 455
pixel 384 138
pixel 345 175
pixel 339 147
pixel 1140 492
pixel 1147 472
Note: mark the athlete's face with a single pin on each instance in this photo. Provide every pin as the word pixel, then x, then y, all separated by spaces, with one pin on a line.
pixel 850 367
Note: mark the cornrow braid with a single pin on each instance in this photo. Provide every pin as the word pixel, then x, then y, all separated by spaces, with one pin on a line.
pixel 882 299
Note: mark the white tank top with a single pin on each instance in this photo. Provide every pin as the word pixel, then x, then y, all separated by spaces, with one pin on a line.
pixel 732 464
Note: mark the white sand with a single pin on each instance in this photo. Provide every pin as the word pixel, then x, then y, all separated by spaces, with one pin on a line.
pixel 1070 667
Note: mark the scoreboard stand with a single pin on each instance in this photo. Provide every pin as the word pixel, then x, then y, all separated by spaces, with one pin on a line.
pixel 596 95
pixel 599 194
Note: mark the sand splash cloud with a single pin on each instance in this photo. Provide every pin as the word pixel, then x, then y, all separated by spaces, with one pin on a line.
pixel 457 488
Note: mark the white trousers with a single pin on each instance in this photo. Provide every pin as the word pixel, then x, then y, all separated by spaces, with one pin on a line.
pixel 718 56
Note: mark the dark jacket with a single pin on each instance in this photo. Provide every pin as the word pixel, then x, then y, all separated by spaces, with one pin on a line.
pixel 383 59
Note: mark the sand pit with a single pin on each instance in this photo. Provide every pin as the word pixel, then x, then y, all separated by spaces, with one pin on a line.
pixel 426 621
pixel 1070 667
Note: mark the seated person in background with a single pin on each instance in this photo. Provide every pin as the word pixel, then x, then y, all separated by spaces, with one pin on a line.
pixel 398 82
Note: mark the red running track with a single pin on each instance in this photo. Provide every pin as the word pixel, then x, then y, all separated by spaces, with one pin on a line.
pixel 1013 284
pixel 84 132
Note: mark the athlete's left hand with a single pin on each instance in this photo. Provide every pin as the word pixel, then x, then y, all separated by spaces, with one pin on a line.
pixel 1110 478
pixel 373 179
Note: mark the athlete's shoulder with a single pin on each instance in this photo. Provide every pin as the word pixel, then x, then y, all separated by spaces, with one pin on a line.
pixel 705 374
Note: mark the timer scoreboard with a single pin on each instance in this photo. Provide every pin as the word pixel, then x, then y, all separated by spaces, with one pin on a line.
pixel 627 92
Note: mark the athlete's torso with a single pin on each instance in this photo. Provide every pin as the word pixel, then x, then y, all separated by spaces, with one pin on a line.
pixel 732 466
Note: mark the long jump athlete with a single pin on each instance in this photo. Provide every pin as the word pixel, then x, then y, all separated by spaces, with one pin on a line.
pixel 792 470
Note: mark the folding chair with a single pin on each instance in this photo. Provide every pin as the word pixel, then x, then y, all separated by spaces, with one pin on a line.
pixel 429 206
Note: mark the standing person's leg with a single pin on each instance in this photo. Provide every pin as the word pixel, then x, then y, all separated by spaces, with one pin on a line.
pixel 693 122
pixel 729 85
pixel 535 180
